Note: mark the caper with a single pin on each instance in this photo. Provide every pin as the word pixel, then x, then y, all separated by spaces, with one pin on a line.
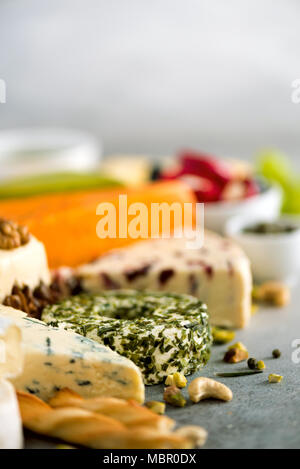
pixel 252 363
pixel 276 353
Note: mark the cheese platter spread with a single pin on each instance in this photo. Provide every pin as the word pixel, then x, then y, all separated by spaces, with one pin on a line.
pixel 81 346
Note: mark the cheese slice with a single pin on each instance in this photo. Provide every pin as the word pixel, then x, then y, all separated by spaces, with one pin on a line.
pixel 54 359
pixel 218 274
pixel 11 357
pixel 11 436
pixel 26 265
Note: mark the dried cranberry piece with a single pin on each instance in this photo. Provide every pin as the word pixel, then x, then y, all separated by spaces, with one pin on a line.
pixel 165 275
pixel 109 283
pixel 209 270
pixel 194 284
pixel 135 273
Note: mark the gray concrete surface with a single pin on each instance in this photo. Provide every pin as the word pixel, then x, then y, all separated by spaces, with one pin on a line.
pixel 261 415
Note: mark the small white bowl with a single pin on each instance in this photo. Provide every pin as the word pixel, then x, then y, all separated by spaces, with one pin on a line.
pixel 273 256
pixel 266 205
pixel 29 151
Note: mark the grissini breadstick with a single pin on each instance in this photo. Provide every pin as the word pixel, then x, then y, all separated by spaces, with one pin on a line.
pixel 129 412
pixel 39 416
pixel 91 429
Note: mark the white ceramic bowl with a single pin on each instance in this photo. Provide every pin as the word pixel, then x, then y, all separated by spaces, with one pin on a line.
pixel 38 150
pixel 273 257
pixel 265 205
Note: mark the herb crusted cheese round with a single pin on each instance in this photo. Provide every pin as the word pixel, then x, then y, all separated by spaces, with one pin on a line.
pixel 160 332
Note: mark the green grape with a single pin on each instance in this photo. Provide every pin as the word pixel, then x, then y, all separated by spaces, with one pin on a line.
pixel 276 167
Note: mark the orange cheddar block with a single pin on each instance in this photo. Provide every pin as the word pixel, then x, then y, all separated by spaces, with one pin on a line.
pixel 66 223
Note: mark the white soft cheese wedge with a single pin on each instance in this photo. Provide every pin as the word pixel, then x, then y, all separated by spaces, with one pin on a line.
pixel 25 265
pixel 218 274
pixel 11 361
pixel 11 435
pixel 11 356
pixel 54 359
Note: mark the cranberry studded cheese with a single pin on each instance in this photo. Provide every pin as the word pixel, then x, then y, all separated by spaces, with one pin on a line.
pixel 218 274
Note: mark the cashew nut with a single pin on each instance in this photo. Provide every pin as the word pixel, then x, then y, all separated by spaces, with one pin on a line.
pixel 205 388
pixel 197 435
pixel 275 293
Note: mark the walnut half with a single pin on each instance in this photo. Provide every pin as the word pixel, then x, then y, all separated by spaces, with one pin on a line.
pixel 12 235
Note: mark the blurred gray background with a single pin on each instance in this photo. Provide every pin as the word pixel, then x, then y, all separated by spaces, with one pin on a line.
pixel 155 76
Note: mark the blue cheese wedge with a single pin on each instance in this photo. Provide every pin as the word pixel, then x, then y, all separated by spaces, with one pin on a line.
pixel 25 265
pixel 54 359
pixel 218 274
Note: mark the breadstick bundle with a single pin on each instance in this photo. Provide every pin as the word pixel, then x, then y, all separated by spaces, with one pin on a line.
pixel 101 423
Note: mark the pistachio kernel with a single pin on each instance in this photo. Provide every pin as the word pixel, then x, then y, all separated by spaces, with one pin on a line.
pixel 260 365
pixel 173 396
pixel 170 380
pixel 274 378
pixel 238 345
pixel 179 380
pixel 156 407
pixel 222 336
pixel 235 355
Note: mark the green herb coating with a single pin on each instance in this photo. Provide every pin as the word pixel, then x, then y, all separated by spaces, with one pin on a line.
pixel 162 333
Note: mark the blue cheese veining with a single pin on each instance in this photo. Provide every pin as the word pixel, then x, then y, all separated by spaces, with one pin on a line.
pixel 54 359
